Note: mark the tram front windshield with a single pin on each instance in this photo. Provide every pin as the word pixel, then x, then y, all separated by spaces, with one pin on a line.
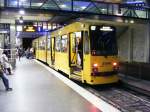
pixel 103 41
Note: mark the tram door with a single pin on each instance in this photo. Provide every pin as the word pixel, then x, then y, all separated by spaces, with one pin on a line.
pixel 52 50
pixel 35 49
pixel 48 50
pixel 76 51
pixel 38 48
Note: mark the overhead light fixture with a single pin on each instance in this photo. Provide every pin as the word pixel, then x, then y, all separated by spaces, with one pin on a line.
pixel 119 14
pixel 22 0
pixel 103 9
pixel 15 3
pixel 21 19
pixel 132 21
pixel 126 21
pixel 83 7
pixel 22 12
pixel 63 6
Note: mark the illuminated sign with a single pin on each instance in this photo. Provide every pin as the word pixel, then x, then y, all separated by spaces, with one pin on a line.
pixel 29 29
pixel 106 28
pixel 39 29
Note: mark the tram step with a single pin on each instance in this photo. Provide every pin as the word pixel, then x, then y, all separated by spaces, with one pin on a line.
pixel 78 73
pixel 75 76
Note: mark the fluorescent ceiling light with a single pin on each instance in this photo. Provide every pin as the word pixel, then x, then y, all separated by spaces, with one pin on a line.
pixel 134 2
pixel 20 21
pixel 132 21
pixel 15 2
pixel 119 14
pixel 83 7
pixel 22 0
pixel 37 4
pixel 22 12
pixel 63 6
pixel 103 9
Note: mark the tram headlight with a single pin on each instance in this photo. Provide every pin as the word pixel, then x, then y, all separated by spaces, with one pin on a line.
pixel 115 66
pixel 95 65
pixel 95 68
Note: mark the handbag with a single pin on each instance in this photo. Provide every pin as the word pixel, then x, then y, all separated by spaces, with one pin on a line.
pixel 1 69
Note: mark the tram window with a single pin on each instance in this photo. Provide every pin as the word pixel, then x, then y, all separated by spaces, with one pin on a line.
pixel 103 42
pixel 48 44
pixel 58 44
pixel 43 44
pixel 72 39
pixel 64 43
pixel 40 46
pixel 86 42
pixel 78 39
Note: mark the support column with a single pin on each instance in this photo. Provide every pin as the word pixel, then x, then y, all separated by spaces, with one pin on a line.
pixel 130 52
pixel 148 3
pixel 12 44
pixel 148 36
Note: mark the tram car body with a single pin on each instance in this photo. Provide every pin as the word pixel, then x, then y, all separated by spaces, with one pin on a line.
pixel 84 51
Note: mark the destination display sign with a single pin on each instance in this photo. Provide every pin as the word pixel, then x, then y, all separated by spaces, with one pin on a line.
pixel 29 28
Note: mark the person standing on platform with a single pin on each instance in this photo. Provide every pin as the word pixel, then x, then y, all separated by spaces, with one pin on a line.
pixel 5 63
pixel 79 50
pixel 31 53
pixel 19 53
pixel 4 78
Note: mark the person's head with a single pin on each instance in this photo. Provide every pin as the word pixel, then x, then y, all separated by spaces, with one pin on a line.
pixel 4 52
pixel 79 40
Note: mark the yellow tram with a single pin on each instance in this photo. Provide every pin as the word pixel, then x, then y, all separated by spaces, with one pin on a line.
pixel 83 50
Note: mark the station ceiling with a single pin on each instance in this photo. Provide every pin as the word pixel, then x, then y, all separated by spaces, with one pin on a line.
pixel 61 11
pixel 58 11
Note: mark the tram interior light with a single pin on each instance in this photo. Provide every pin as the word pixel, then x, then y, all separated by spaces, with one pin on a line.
pixel 106 28
pixel 93 27
pixel 78 34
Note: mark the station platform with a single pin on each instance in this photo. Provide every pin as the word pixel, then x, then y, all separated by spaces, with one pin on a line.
pixel 38 88
pixel 139 85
